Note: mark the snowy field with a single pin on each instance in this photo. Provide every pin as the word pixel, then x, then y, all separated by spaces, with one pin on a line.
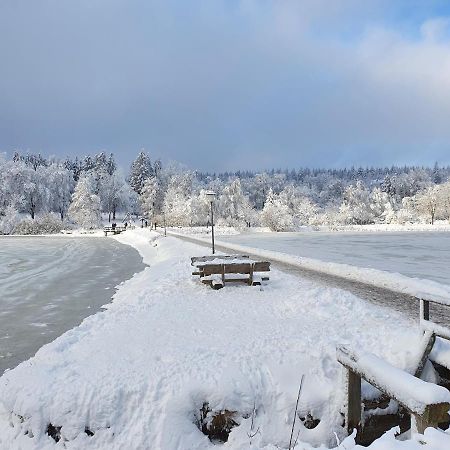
pixel 49 285
pixel 417 255
pixel 136 375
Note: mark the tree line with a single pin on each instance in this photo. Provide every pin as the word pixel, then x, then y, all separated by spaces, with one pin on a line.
pixel 39 194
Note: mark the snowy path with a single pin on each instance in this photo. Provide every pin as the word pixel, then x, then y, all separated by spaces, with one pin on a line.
pixel 404 303
pixel 136 375
pixel 50 284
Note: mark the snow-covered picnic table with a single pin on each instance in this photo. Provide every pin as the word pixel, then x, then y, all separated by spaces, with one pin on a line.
pixel 216 270
pixel 113 230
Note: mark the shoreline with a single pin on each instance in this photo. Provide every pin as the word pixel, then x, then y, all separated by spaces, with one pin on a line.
pixel 61 305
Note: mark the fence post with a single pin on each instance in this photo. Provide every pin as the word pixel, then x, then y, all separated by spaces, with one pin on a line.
pixel 353 401
pixel 424 309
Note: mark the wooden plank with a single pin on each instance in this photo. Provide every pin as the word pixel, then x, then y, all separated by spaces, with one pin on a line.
pixel 237 268
pixel 212 269
pixel 426 345
pixel 353 419
pixel 235 278
pixel 261 266
pixel 432 417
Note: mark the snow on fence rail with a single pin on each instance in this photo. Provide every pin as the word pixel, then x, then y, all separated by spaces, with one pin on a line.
pixel 427 403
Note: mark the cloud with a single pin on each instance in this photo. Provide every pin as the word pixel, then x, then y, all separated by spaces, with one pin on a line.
pixel 435 29
pixel 227 84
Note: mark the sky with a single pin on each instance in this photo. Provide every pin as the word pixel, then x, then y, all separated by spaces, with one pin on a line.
pixel 228 84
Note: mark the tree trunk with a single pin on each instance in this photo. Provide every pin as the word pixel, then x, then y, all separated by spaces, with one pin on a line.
pixel 109 216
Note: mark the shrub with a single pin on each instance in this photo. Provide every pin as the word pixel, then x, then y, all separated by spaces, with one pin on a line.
pixel 47 224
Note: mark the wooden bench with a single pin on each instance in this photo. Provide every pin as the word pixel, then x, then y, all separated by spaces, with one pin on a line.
pixel 218 270
pixel 113 230
pixel 427 403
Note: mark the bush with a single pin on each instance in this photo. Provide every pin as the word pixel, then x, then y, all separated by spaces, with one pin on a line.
pixel 47 224
pixel 9 220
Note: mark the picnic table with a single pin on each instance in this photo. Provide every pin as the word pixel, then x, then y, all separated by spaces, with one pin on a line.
pixel 113 230
pixel 218 270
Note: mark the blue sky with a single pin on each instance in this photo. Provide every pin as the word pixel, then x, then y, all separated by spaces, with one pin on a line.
pixel 223 85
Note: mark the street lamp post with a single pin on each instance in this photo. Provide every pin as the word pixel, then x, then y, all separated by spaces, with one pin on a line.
pixel 211 196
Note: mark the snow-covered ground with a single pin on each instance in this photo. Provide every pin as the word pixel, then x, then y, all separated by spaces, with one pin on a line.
pixel 48 285
pixel 137 374
pixel 203 231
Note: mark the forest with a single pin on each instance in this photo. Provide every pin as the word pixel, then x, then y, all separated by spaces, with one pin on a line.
pixel 45 195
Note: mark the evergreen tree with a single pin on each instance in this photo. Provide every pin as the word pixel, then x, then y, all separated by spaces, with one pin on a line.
pixel 85 209
pixel 141 169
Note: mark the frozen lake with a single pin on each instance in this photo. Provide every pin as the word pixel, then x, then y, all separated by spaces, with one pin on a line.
pixel 422 255
pixel 49 285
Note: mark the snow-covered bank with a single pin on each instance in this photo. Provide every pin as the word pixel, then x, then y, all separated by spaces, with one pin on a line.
pixel 438 226
pixel 136 375
pixel 387 227
pixel 218 230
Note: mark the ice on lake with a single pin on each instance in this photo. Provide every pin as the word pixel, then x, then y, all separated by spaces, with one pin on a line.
pixel 419 255
pixel 49 285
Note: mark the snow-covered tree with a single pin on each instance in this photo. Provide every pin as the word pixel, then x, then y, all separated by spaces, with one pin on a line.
pixel 61 185
pixel 302 209
pixel 9 220
pixel 233 206
pixel 380 206
pixel 356 205
pixel 407 213
pixel 444 200
pixel 201 209
pixel 427 203
pixel 85 209
pixel 276 214
pixel 32 187
pixel 114 193
pixel 141 169
pixel 177 207
pixel 152 197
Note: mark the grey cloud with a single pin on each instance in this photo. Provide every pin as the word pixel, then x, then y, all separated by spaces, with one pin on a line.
pixel 221 85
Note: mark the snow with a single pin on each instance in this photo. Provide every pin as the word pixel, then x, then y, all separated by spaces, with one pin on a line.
pixel 204 231
pixel 441 352
pixel 138 373
pixel 219 260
